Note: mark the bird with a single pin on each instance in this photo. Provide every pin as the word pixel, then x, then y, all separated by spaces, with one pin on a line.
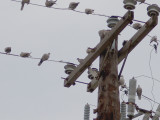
pixel 103 33
pixel 90 50
pixel 89 11
pixel 137 26
pixel 154 39
pixel 139 92
pixel 141 1
pixel 73 5
pixel 121 81
pixel 50 3
pixel 25 54
pixel 7 50
pixel 24 2
pixel 80 60
pixel 124 42
pixel 44 58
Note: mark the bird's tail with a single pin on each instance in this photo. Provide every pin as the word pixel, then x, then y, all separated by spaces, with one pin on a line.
pixel 40 63
pixel 22 6
pixel 139 97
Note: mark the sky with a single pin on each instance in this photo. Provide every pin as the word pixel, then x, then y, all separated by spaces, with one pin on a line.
pixel 32 92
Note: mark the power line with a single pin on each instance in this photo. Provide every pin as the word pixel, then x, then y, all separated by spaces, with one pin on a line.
pixel 95 14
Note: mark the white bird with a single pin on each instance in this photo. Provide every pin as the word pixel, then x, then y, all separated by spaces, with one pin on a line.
pixel 139 92
pixel 89 11
pixel 50 3
pixel 44 58
pixel 121 81
pixel 103 33
pixel 154 39
pixel 90 50
pixel 24 2
pixel 80 60
pixel 137 26
pixel 25 54
pixel 7 50
pixel 73 5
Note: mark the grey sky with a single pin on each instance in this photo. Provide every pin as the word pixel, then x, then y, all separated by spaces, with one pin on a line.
pixel 30 92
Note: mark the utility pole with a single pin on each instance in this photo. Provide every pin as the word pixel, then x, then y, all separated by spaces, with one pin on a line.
pixel 108 107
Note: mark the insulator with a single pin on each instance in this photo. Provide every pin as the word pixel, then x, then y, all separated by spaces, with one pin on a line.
pixel 129 4
pixel 92 73
pixel 123 111
pixel 86 112
pixel 153 10
pixel 69 68
pixel 157 114
pixel 112 21
pixel 131 97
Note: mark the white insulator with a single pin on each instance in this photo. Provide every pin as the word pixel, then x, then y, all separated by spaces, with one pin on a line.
pixel 131 97
pixel 86 112
pixel 92 73
pixel 69 68
pixel 146 116
pixel 112 21
pixel 129 4
pixel 123 111
pixel 153 10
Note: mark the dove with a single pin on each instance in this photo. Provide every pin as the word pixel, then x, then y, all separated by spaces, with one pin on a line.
pixel 24 2
pixel 122 81
pixel 137 26
pixel 139 92
pixel 90 50
pixel 80 60
pixel 154 39
pixel 44 58
pixel 50 3
pixel 25 54
pixel 73 5
pixel 7 50
pixel 89 11
pixel 103 33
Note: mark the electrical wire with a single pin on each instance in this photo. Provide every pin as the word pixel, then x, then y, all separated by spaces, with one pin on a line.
pixel 95 14
pixel 60 61
pixel 147 77
pixel 151 77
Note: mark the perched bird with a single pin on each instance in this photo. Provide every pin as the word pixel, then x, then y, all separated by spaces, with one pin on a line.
pixel 24 2
pixel 73 5
pixel 7 50
pixel 25 54
pixel 103 33
pixel 90 50
pixel 89 11
pixel 154 39
pixel 137 26
pixel 121 81
pixel 44 58
pixel 50 3
pixel 139 92
pixel 124 42
pixel 141 1
pixel 80 60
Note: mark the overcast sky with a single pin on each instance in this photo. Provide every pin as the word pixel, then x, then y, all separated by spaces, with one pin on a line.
pixel 32 92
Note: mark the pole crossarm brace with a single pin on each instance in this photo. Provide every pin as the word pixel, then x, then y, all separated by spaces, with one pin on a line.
pixel 135 116
pixel 106 42
pixel 130 45
pixel 137 38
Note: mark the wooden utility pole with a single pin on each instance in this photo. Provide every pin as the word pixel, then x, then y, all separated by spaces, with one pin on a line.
pixel 108 92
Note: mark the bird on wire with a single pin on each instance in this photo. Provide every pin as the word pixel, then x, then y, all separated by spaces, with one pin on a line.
pixel 139 92
pixel 50 3
pixel 7 50
pixel 89 11
pixel 24 2
pixel 44 58
pixel 25 54
pixel 73 5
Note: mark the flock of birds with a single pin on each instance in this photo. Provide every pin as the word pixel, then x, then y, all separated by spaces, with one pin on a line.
pixel 50 3
pixel 26 54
